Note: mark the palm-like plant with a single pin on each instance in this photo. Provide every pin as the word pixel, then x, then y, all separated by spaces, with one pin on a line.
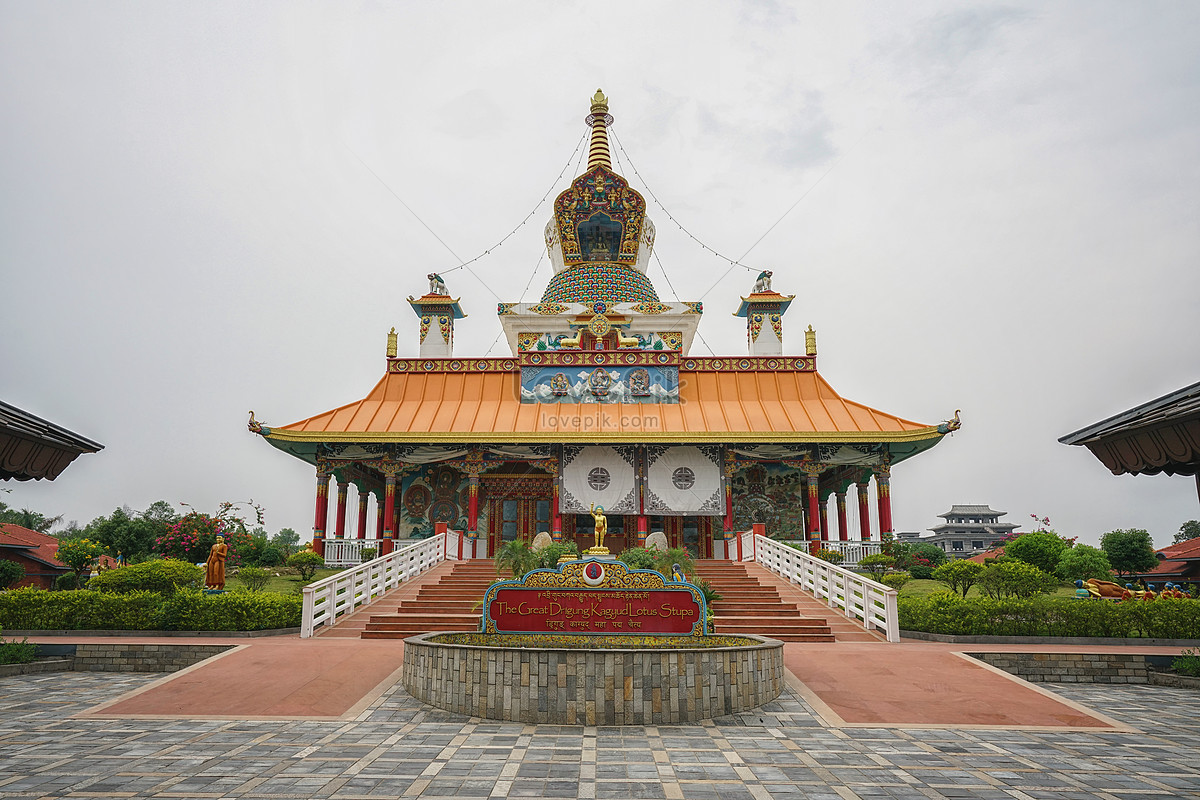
pixel 518 557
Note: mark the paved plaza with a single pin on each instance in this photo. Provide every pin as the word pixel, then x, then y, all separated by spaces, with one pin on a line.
pixel 397 747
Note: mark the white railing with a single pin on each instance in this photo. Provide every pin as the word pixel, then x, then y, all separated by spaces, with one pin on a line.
pixel 327 599
pixel 870 602
pixel 852 550
pixel 347 552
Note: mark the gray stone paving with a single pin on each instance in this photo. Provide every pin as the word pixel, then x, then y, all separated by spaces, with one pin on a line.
pixel 400 748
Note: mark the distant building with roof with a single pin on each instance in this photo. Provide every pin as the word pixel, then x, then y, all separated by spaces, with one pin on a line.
pixel 968 530
pixel 1177 563
pixel 34 551
pixel 601 403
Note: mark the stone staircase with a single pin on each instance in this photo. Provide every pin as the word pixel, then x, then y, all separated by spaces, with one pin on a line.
pixel 451 603
pixel 748 605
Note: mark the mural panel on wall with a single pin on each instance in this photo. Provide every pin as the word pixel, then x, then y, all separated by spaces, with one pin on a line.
pixel 772 494
pixel 432 494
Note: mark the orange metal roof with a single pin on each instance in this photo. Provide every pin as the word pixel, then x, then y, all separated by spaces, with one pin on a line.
pixel 479 406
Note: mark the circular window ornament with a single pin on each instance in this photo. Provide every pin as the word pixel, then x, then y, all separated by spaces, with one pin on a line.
pixel 683 478
pixel 598 478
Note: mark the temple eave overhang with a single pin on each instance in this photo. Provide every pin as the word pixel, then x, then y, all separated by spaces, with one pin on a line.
pixel 553 437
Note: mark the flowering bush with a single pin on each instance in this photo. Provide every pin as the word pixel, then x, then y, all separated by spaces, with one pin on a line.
pixel 192 537
pixel 832 556
pixel 79 554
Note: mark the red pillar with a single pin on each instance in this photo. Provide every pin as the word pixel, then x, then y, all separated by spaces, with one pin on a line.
pixel 824 519
pixel 883 492
pixel 379 516
pixel 843 528
pixel 814 512
pixel 473 507
pixel 556 516
pixel 864 510
pixel 339 524
pixel 321 517
pixel 362 514
pixel 389 511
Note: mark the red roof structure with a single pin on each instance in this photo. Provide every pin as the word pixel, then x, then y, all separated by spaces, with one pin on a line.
pixel 35 552
pixel 1178 562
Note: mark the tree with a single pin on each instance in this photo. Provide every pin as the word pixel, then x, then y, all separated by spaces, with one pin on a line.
pixel 1082 562
pixel 1043 549
pixel 1129 551
pixel 193 535
pixel 27 518
pixel 306 563
pixel 79 555
pixel 921 553
pixel 877 564
pixel 959 575
pixel 125 533
pixel 287 540
pixel 1188 530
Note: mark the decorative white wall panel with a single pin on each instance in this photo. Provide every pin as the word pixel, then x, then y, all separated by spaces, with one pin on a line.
pixel 602 476
pixel 684 481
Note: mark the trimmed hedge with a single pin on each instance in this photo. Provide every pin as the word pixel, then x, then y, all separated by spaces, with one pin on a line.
pixel 186 610
pixel 1164 618
pixel 162 575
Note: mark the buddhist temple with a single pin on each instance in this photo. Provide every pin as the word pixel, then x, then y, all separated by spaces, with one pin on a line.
pixel 601 402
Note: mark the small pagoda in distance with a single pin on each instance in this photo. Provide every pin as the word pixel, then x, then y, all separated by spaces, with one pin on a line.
pixel 601 403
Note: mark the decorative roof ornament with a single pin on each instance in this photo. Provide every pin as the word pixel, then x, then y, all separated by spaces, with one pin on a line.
pixel 599 119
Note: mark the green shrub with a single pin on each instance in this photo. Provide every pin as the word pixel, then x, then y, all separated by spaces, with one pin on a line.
pixel 896 581
pixel 1012 578
pixel 549 555
pixel 877 564
pixel 1188 663
pixel 14 652
pixel 919 571
pixel 832 556
pixel 366 554
pixel 66 582
pixel 711 595
pixel 192 610
pixel 1049 616
pixel 37 609
pixel 187 609
pixel 270 556
pixel 637 558
pixel 665 560
pixel 306 563
pixel 163 576
pixel 253 578
pixel 10 573
pixel 959 575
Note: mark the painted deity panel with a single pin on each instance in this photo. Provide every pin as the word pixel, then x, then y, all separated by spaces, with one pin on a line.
pixel 772 494
pixel 435 493
pixel 609 384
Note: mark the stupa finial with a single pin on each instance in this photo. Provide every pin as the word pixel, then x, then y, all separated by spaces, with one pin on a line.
pixel 599 119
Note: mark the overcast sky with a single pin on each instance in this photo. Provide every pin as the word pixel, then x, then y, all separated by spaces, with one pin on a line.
pixel 995 209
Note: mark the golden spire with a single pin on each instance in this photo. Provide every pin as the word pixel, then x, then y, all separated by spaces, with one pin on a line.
pixel 599 119
pixel 391 345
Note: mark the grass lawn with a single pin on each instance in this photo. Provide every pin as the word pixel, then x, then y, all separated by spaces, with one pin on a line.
pixel 284 580
pixel 918 588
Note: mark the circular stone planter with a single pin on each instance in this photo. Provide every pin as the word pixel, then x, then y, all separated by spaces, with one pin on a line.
pixel 601 686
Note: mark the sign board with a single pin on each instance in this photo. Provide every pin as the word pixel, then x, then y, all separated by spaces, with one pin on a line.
pixel 594 596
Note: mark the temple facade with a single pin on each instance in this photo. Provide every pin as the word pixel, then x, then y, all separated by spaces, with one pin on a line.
pixel 601 403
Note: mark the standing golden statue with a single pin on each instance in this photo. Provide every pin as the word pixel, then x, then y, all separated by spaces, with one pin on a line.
pixel 214 576
pixel 601 529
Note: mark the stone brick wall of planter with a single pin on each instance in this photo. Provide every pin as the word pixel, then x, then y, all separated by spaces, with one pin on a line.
pixel 1076 667
pixel 41 665
pixel 142 657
